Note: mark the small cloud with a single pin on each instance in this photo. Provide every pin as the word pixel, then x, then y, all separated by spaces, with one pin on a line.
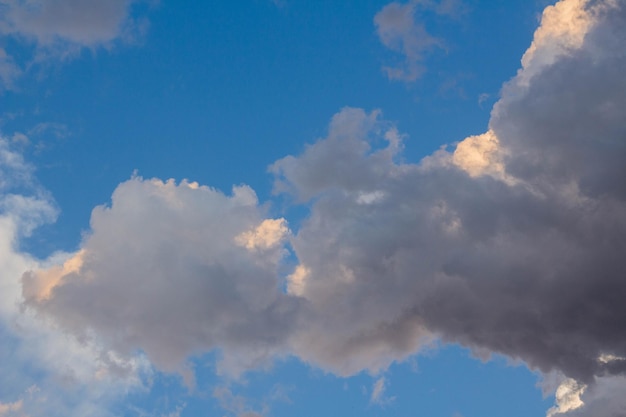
pixel 379 396
pixel 452 8
pixel 9 71
pixel 20 139
pixel 482 98
pixel 452 86
pixel 176 412
pixel 400 31
pixel 236 405
pixel 58 130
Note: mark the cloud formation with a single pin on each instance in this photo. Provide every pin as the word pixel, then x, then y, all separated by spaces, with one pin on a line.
pixel 512 242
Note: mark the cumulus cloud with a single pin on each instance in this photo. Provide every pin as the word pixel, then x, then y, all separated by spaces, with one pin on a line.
pixel 512 242
pixel 174 270
pixel 400 30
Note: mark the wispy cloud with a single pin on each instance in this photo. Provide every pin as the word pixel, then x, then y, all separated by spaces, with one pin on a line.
pixel 236 405
pixel 399 29
pixel 9 71
pixel 379 394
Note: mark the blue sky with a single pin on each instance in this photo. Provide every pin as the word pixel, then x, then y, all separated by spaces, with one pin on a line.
pixel 277 208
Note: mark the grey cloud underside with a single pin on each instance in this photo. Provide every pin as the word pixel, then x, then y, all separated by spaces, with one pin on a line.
pixel 530 264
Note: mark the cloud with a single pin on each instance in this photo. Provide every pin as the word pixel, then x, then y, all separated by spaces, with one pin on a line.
pixel 43 371
pixel 59 29
pixel 236 405
pixel 605 398
pixel 23 203
pixel 343 159
pixel 9 71
pixel 563 30
pixel 379 396
pixel 512 242
pixel 10 409
pixel 567 397
pixel 184 267
pixel 88 23
pixel 573 399
pixel 400 31
pixel 479 155
pixel 347 324
pixel 266 235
